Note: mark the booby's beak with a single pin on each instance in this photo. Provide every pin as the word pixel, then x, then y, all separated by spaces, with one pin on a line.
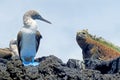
pixel 46 20
pixel 42 19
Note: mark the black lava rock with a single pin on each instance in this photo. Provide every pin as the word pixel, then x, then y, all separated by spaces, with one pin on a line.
pixel 105 67
pixel 73 63
pixel 52 68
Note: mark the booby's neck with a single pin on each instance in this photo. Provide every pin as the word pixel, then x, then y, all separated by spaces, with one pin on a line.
pixel 29 23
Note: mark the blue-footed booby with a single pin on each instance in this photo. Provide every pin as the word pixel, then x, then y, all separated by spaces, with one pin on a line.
pixel 28 38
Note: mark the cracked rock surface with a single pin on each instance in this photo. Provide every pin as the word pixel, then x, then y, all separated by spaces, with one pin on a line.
pixel 52 68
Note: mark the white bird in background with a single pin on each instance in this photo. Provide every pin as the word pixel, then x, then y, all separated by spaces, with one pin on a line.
pixel 13 47
pixel 28 38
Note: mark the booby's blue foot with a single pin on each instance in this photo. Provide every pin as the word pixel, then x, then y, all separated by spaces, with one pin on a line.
pixel 26 63
pixel 35 63
pixel 30 63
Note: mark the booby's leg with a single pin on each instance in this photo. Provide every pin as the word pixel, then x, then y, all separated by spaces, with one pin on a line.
pixel 28 63
pixel 25 63
pixel 34 63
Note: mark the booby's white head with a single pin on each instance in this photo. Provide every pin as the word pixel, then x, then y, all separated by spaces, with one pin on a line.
pixel 30 17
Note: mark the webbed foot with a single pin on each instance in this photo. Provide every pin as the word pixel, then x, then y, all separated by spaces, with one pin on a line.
pixel 31 63
pixel 34 63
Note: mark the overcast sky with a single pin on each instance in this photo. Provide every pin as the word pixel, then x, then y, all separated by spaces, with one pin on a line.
pixel 100 17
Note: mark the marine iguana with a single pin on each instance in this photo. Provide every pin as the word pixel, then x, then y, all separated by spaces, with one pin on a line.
pixel 96 48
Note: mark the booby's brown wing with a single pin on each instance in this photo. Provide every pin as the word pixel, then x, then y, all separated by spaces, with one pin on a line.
pixel 38 37
pixel 19 37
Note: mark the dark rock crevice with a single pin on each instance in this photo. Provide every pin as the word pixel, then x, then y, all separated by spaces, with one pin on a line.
pixel 52 68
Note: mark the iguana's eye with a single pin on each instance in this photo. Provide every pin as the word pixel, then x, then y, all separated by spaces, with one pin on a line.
pixel 83 33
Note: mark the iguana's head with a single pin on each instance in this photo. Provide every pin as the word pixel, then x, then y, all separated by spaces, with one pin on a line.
pixel 82 35
pixel 81 38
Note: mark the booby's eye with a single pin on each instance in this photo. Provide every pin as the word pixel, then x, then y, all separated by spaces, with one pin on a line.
pixel 36 16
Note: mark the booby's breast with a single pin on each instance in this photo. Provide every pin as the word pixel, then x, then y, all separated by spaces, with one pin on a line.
pixel 28 44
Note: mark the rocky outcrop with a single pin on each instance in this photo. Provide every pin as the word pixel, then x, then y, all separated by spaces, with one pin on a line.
pixel 52 68
pixel 105 67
